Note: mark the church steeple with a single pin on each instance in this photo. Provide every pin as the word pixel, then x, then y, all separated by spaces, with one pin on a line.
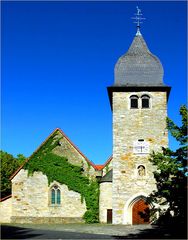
pixel 139 103
pixel 138 67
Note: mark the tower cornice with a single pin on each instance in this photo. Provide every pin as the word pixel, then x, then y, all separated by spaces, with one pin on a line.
pixel 112 89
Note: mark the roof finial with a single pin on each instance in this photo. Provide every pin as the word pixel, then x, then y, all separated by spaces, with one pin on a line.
pixel 138 19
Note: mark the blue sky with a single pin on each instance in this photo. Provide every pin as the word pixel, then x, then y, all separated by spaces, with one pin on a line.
pixel 58 58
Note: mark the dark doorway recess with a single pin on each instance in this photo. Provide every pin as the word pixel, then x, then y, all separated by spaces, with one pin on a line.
pixel 109 215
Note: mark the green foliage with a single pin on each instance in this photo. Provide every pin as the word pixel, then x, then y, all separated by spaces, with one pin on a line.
pixel 21 159
pixel 171 174
pixel 180 133
pixel 9 164
pixel 59 169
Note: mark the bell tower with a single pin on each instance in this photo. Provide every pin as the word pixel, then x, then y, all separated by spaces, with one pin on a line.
pixel 139 104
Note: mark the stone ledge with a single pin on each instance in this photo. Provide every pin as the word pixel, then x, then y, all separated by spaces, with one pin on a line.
pixel 52 220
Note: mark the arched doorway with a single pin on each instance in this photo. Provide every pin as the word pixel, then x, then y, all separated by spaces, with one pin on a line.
pixel 140 212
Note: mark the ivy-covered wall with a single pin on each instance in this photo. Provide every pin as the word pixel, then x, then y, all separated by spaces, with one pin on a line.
pixel 58 168
pixel 68 150
pixel 31 201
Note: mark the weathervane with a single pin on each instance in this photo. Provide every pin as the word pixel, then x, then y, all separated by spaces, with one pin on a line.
pixel 138 19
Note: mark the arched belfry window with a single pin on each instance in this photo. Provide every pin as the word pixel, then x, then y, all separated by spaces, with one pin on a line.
pixel 55 195
pixel 133 101
pixel 145 101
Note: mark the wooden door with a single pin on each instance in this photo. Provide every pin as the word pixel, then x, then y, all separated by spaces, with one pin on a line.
pixel 109 215
pixel 140 212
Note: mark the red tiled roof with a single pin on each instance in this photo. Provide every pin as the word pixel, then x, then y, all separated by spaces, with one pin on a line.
pixel 57 129
pixel 99 167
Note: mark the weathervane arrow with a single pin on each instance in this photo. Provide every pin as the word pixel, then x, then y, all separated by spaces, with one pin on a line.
pixel 138 19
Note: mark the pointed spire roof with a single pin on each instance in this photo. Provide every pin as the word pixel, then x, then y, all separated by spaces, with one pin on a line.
pixel 138 67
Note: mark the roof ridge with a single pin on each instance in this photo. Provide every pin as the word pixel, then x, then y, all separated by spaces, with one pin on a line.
pixel 89 161
pixel 108 160
pixel 56 129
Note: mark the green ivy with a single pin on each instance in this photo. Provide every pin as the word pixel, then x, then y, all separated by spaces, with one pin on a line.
pixel 57 168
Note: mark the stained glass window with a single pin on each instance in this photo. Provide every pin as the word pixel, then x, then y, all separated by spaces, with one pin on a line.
pixel 55 195
pixel 58 196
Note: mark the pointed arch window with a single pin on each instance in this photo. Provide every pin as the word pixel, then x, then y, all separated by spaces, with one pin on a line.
pixel 134 101
pixel 145 101
pixel 55 195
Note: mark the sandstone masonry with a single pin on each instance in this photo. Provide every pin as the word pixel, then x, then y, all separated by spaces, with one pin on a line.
pixel 31 200
pixel 130 125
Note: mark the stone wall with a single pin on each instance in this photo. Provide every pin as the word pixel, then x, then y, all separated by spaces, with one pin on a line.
pixel 105 200
pixel 129 125
pixel 68 150
pixel 31 200
pixel 108 167
pixel 6 210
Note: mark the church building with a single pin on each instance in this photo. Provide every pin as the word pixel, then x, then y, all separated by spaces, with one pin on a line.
pixel 138 99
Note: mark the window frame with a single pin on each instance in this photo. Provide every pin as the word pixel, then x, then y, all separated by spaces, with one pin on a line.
pixel 145 96
pixel 134 97
pixel 55 195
